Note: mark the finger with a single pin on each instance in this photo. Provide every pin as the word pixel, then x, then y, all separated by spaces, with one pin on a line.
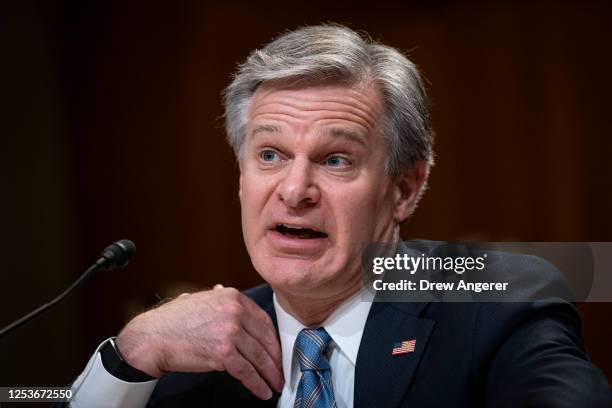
pixel 259 325
pixel 253 351
pixel 238 367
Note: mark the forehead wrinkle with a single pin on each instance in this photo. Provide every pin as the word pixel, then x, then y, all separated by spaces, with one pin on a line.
pixel 356 106
pixel 366 121
pixel 365 101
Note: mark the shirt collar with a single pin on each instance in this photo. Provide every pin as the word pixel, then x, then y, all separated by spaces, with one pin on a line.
pixel 345 326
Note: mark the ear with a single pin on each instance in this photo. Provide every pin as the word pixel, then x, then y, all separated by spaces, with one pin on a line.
pixel 408 187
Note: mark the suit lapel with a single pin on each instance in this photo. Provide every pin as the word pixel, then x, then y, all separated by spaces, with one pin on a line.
pixel 382 379
pixel 268 307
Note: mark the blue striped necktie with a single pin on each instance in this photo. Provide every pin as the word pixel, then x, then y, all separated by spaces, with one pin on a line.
pixel 315 388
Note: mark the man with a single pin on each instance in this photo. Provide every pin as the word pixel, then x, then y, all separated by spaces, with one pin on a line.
pixel 332 134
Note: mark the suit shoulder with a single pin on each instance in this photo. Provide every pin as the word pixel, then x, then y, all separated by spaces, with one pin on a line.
pixel 261 294
pixel 530 277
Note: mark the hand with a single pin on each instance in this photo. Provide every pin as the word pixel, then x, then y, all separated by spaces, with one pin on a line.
pixel 214 330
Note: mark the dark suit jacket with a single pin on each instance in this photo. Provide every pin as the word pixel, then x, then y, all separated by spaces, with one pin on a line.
pixel 467 355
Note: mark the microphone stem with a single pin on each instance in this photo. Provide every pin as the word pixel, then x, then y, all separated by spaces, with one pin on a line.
pixel 99 263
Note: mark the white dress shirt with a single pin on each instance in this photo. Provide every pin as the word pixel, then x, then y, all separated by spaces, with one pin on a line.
pixel 97 388
pixel 345 326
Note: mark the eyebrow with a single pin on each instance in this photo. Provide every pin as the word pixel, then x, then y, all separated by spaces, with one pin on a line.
pixel 348 134
pixel 264 129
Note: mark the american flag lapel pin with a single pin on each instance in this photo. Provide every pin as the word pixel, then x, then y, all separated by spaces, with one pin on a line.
pixel 403 347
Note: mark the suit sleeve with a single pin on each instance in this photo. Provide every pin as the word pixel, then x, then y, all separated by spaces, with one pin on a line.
pixel 537 358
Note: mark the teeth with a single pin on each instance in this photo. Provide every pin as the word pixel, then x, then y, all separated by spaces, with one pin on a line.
pixel 298 227
pixel 299 231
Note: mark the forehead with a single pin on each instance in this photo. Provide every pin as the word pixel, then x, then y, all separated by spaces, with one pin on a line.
pixel 357 106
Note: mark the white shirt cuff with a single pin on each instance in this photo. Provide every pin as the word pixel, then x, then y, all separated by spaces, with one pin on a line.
pixel 97 388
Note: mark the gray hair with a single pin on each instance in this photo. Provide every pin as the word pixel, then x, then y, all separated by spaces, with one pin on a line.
pixel 334 52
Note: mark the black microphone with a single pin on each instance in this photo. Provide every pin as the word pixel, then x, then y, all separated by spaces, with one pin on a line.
pixel 116 255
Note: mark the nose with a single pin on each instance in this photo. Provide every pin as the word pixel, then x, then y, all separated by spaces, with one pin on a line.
pixel 298 189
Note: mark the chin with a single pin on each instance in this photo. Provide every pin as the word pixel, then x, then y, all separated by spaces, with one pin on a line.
pixel 304 277
pixel 292 274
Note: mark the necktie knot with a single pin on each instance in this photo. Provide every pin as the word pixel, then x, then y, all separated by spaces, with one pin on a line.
pixel 310 347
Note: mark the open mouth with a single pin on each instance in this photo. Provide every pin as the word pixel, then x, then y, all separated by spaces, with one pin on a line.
pixel 295 231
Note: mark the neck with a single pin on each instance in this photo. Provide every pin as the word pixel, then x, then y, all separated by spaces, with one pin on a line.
pixel 312 312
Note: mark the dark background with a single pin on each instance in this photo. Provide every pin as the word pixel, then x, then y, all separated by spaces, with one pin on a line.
pixel 110 128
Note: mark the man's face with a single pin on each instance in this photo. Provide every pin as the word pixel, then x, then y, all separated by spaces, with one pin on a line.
pixel 313 186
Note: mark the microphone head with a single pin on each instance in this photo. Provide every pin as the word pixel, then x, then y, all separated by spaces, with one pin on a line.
pixel 118 254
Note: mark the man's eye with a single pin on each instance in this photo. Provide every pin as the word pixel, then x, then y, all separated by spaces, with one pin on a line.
pixel 268 155
pixel 337 161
